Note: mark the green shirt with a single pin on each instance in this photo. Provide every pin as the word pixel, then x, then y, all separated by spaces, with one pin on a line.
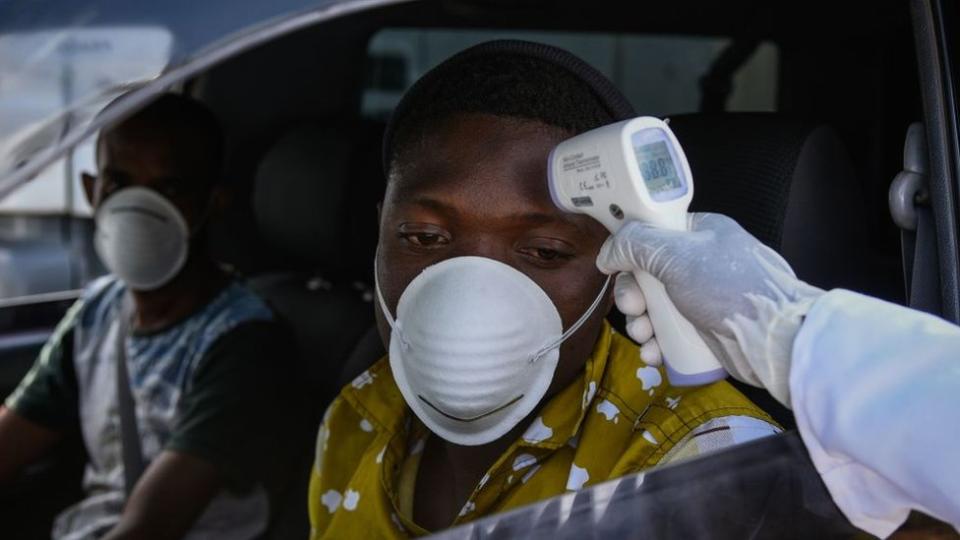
pixel 219 385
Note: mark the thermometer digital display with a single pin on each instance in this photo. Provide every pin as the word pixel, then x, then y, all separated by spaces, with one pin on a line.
pixel 658 171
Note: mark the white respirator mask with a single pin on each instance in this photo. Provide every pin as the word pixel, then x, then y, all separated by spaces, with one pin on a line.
pixel 141 237
pixel 474 346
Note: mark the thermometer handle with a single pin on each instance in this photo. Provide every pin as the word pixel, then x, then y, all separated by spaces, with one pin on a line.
pixel 688 360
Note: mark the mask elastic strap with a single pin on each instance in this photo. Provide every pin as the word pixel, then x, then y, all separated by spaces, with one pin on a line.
pixel 394 325
pixel 575 326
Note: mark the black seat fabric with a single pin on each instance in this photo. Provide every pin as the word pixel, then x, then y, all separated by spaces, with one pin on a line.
pixel 300 201
pixel 313 202
pixel 790 183
pixel 368 350
pixel 305 243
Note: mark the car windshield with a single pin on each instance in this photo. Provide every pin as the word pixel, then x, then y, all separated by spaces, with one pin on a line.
pixel 62 61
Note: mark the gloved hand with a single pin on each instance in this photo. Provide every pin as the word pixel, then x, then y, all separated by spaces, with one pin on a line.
pixel 742 296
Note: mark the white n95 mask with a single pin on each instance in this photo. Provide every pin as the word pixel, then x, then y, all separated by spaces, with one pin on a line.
pixel 474 346
pixel 141 237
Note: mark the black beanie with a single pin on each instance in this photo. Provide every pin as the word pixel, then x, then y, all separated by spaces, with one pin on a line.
pixel 608 104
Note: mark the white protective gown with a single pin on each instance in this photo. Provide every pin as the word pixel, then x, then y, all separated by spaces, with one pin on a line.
pixel 876 392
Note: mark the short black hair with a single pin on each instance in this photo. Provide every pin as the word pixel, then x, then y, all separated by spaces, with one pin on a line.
pixel 182 115
pixel 508 78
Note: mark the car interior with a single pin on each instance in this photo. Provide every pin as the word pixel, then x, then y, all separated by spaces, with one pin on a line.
pixel 805 166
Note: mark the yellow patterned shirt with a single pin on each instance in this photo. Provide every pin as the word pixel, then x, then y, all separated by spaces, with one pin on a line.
pixel 619 417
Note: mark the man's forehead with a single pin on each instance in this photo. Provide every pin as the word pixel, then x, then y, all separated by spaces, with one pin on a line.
pixel 484 166
pixel 480 152
pixel 125 142
pixel 158 147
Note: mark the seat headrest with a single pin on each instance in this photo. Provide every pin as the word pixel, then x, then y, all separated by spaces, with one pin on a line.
pixel 790 183
pixel 299 195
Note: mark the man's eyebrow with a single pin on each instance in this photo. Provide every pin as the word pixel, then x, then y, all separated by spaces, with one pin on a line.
pixel 540 217
pixel 429 202
pixel 566 219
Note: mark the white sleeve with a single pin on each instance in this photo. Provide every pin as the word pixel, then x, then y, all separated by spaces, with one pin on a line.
pixel 876 393
pixel 717 434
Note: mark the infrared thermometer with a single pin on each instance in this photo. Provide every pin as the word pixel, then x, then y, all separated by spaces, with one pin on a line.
pixel 635 170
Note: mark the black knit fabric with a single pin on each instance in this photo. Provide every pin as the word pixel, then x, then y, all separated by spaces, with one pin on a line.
pixel 586 100
pixel 743 165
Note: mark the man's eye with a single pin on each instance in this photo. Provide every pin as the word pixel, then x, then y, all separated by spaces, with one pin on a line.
pixel 424 239
pixel 546 255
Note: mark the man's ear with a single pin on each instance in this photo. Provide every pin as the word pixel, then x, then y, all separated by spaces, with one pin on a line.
pixel 89 187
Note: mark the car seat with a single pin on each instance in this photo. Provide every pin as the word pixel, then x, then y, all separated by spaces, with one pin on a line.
pixel 302 207
pixel 790 183
pixel 313 205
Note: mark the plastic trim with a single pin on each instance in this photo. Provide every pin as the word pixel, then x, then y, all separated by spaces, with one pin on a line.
pixel 940 120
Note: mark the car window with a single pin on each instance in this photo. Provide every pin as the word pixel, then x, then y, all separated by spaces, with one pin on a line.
pixel 46 231
pixel 52 81
pixel 762 489
pixel 57 189
pixel 55 81
pixel 100 49
pixel 660 74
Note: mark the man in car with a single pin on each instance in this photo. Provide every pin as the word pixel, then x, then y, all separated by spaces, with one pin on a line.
pixel 504 384
pixel 202 358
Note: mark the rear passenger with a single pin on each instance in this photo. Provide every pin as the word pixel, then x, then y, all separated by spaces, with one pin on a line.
pixel 179 378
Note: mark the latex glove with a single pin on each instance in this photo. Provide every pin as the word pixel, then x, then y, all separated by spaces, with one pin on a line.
pixel 630 301
pixel 742 296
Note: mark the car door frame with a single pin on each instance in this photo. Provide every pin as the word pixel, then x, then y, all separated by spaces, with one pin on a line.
pixel 934 24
